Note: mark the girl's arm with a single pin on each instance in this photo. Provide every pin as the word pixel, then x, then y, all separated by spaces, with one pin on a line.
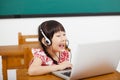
pixel 36 69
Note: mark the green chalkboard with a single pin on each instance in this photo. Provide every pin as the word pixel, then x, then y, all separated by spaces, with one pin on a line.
pixel 52 7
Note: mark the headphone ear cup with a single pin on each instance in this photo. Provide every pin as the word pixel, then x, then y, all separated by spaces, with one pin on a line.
pixel 47 41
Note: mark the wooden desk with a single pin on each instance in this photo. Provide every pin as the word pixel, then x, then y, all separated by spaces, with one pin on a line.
pixel 22 75
pixel 12 58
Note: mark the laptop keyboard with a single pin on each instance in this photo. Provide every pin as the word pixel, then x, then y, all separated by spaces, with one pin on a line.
pixel 67 73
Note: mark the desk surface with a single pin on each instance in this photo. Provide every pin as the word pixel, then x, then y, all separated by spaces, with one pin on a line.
pixel 22 75
pixel 11 50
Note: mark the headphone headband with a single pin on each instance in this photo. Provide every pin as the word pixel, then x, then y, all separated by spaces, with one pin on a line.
pixel 47 41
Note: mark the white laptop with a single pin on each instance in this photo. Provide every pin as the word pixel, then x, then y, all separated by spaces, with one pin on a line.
pixel 93 59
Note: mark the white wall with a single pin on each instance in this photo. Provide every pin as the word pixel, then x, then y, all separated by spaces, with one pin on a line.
pixel 79 30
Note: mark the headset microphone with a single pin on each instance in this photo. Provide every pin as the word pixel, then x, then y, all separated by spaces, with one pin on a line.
pixel 47 41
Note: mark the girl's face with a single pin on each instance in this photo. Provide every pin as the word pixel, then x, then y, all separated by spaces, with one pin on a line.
pixel 59 41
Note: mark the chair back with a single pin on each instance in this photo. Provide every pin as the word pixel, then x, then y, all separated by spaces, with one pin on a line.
pixel 27 39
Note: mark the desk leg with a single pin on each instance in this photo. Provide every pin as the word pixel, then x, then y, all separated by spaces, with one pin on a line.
pixel 4 67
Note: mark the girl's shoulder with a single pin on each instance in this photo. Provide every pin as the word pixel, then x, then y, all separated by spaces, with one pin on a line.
pixel 38 51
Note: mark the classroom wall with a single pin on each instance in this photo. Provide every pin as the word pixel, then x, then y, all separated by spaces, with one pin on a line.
pixel 80 29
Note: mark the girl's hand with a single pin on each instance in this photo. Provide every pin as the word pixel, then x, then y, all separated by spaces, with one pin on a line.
pixel 64 65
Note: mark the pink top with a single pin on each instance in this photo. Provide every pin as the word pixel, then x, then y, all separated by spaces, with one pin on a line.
pixel 37 52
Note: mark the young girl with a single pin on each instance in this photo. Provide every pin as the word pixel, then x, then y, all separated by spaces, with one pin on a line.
pixel 54 54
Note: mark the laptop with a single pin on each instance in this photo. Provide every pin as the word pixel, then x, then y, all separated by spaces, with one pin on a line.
pixel 92 59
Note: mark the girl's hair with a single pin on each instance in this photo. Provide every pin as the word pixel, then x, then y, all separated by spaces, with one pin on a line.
pixel 49 28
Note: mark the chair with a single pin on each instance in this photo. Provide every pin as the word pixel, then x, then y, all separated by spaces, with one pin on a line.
pixel 28 42
pixel 27 39
pixel 27 56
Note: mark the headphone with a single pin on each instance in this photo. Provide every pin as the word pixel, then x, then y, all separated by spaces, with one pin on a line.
pixel 47 41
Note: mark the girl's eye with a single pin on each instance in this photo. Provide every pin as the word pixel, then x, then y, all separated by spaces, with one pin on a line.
pixel 64 34
pixel 58 35
pixel 61 35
